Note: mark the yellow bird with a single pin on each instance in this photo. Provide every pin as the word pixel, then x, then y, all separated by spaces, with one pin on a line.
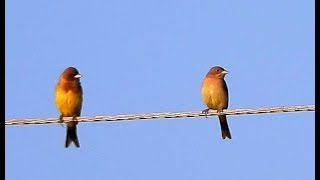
pixel 68 98
pixel 215 95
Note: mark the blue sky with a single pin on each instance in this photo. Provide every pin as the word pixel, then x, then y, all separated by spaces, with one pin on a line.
pixel 150 56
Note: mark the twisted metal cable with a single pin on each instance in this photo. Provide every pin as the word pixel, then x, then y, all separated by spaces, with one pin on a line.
pixel 125 117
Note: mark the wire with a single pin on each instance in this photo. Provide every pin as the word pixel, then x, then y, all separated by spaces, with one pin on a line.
pixel 162 115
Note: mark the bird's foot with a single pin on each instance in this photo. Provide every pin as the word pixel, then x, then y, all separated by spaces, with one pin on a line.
pixel 61 120
pixel 206 111
pixel 219 111
pixel 74 118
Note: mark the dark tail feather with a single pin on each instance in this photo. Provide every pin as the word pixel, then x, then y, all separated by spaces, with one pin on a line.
pixel 225 132
pixel 72 136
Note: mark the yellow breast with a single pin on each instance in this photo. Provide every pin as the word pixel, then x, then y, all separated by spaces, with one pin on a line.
pixel 213 94
pixel 68 102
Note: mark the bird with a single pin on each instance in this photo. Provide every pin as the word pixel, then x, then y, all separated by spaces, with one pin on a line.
pixel 68 100
pixel 215 95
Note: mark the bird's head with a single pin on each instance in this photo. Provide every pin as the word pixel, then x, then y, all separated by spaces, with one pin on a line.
pixel 217 71
pixel 71 73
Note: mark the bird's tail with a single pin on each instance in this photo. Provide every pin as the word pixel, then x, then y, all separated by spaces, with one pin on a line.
pixel 72 135
pixel 225 132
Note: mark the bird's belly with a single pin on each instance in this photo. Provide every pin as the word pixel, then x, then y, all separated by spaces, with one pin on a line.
pixel 69 103
pixel 214 99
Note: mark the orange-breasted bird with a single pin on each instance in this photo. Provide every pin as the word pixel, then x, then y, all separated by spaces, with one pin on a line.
pixel 68 98
pixel 215 95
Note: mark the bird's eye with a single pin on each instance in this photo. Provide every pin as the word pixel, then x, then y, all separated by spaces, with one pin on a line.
pixel 218 70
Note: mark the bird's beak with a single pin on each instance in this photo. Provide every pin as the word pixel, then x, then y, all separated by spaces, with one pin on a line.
pixel 225 72
pixel 77 76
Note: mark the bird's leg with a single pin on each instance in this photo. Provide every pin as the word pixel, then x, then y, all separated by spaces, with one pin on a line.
pixel 219 110
pixel 206 112
pixel 60 120
pixel 74 118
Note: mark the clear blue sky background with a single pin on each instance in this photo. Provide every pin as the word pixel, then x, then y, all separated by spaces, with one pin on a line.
pixel 140 56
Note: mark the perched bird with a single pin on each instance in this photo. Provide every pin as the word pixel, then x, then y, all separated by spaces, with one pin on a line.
pixel 68 97
pixel 215 95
